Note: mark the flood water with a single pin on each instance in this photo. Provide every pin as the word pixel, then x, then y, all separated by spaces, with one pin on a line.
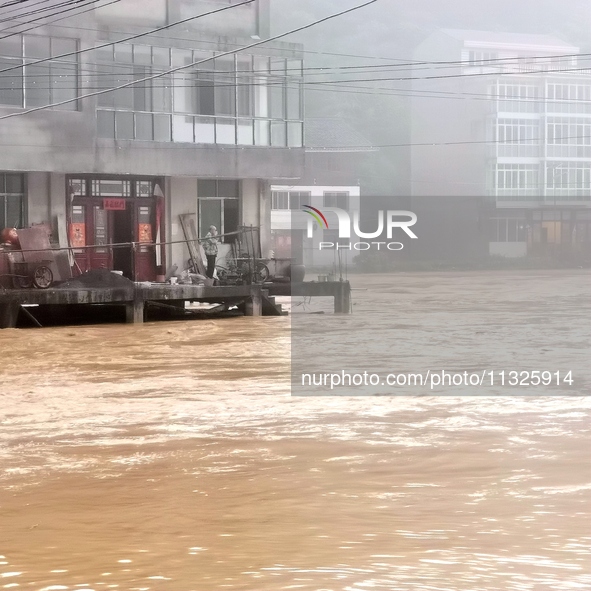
pixel 171 456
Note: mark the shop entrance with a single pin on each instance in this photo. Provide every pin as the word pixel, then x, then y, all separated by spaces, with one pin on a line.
pixel 122 230
pixel 107 215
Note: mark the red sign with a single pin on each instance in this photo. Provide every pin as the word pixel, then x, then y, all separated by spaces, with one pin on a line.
pixel 117 204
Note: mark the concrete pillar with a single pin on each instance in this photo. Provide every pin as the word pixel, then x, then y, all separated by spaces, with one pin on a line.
pixel 342 297
pixel 9 314
pixel 254 304
pixel 134 311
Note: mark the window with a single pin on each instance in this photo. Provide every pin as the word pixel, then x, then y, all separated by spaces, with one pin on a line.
pixel 508 230
pixel 292 200
pixel 239 100
pixel 219 205
pixel 482 58
pixel 518 98
pixel 569 137
pixel 12 201
pixel 569 98
pixel 37 85
pixel 139 112
pixel 568 181
pixel 337 199
pixel 518 137
pixel 517 176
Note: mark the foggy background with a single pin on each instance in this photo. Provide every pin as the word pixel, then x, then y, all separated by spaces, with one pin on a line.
pixel 388 31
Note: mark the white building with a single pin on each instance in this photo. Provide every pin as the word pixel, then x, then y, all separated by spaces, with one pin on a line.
pixel 507 117
pixel 334 154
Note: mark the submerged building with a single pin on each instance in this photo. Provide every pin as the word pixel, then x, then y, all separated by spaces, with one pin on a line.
pixel 502 122
pixel 202 131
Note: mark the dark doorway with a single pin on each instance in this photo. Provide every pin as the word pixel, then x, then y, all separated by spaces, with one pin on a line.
pixel 123 232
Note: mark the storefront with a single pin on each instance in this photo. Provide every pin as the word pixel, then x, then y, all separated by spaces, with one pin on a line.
pixel 114 223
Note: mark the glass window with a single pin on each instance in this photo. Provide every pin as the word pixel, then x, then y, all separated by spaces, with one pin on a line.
pixel 277 98
pixel 37 47
pixel 11 46
pixel 294 109
pixel 106 124
pixel 37 93
pixel 37 85
pixel 225 86
pixel 204 93
pixel 11 83
pixel 110 188
pixel 14 183
pixel 279 200
pixel 225 131
pixel 143 127
pixel 231 218
pixel 294 134
pixel 338 199
pixel 205 130
pixel 142 54
pixel 261 133
pixel 12 201
pixel 210 214
pixel 206 188
pixel 161 56
pixel 244 87
pixel 162 130
pixel 245 132
pixel 64 84
pixel 278 133
pixel 124 52
pixel 182 129
pixel 228 188
pixel 124 126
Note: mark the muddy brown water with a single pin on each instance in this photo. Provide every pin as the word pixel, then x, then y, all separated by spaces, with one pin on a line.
pixel 170 456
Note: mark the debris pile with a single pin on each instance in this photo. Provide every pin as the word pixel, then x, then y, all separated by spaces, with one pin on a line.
pixel 96 278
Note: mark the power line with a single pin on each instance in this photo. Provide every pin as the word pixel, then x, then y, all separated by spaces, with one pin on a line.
pixel 36 11
pixel 407 62
pixel 14 2
pixel 171 145
pixel 69 3
pixel 172 70
pixel 78 52
pixel 335 54
pixel 59 19
pixel 19 4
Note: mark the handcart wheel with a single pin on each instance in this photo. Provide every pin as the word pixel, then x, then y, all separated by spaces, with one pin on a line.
pixel 42 277
pixel 261 272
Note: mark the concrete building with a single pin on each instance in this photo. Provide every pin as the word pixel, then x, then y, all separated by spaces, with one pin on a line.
pixel 506 118
pixel 335 153
pixel 206 140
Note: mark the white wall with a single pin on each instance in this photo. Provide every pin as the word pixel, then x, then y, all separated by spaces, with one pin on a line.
pixel 38 198
pixel 181 197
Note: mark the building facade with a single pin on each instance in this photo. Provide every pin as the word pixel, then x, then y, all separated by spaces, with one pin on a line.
pixel 335 153
pixel 507 118
pixel 199 133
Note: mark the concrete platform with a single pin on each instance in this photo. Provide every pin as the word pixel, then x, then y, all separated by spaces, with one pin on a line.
pixel 339 290
pixel 252 300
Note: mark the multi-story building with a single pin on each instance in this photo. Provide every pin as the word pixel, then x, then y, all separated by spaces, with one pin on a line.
pixel 335 154
pixel 206 137
pixel 507 118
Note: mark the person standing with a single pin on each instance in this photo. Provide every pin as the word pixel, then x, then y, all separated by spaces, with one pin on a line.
pixel 210 246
